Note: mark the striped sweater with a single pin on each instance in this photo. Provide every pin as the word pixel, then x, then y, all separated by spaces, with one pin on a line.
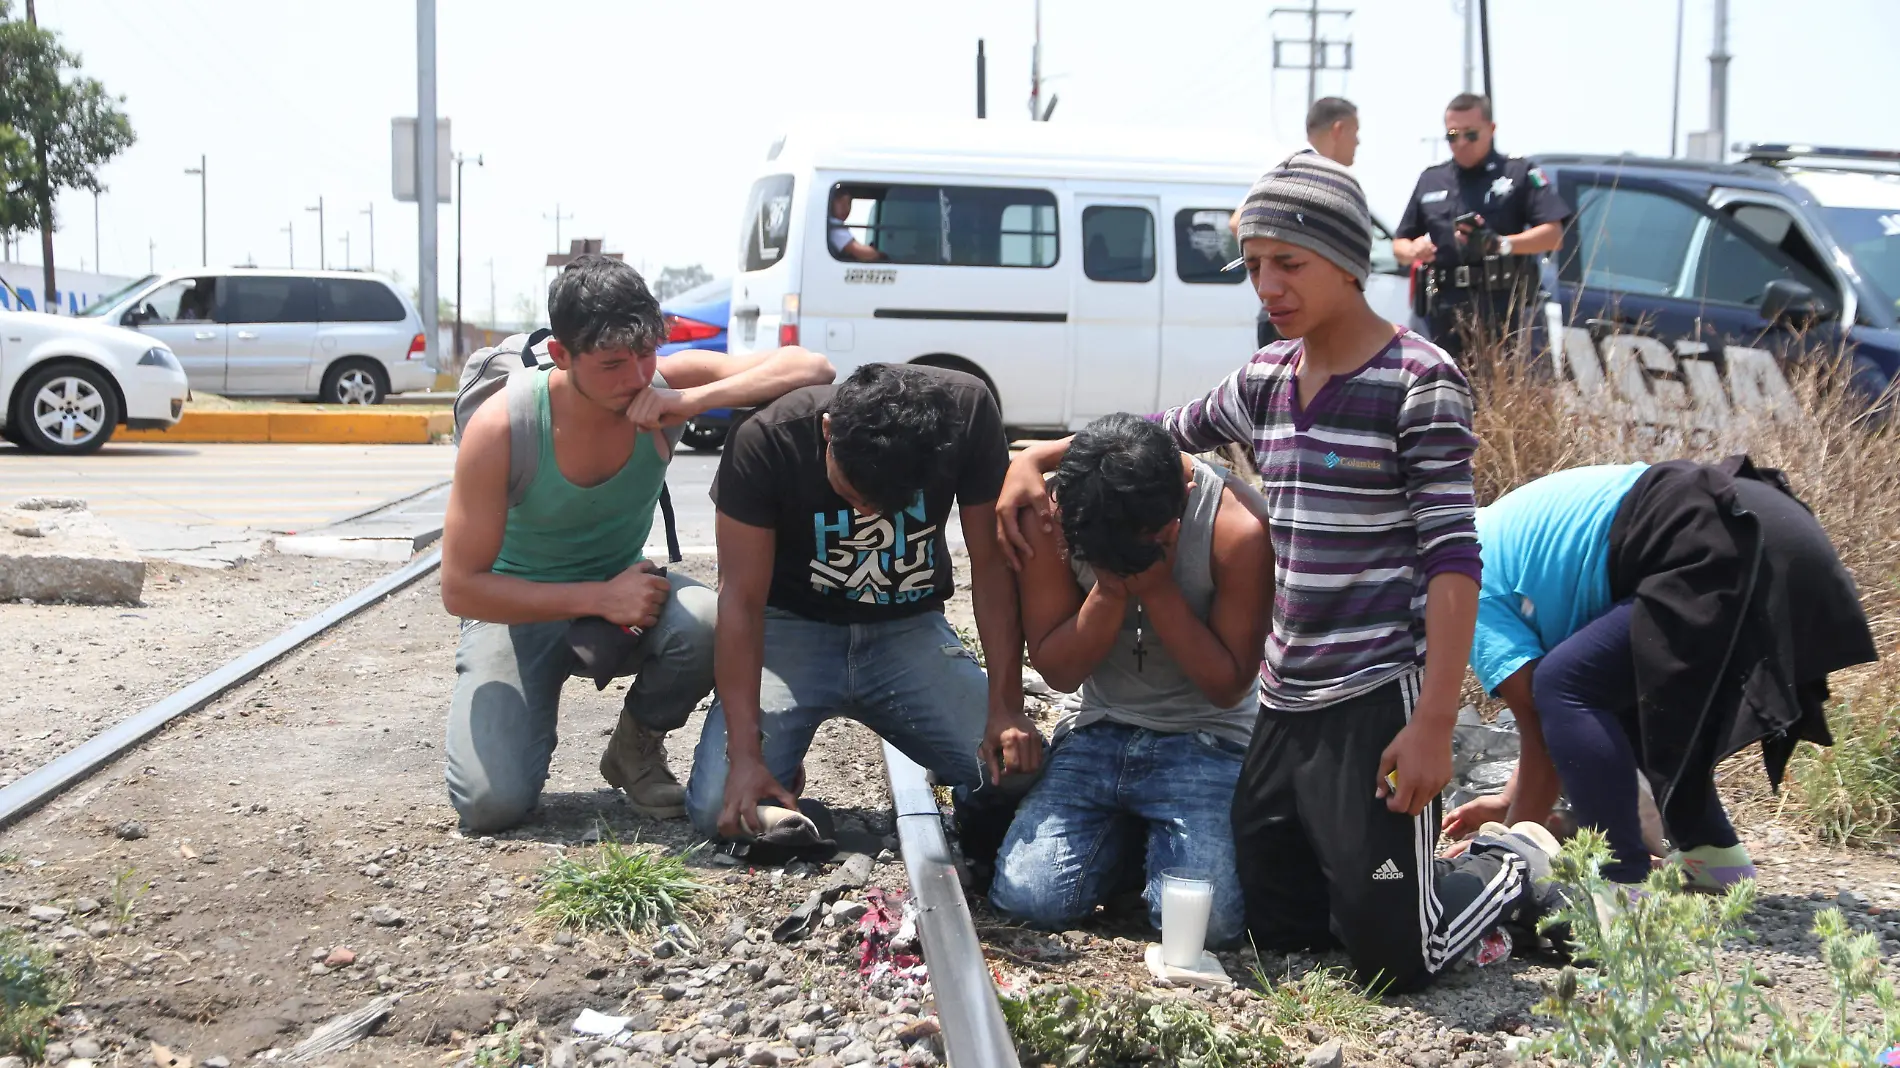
pixel 1369 497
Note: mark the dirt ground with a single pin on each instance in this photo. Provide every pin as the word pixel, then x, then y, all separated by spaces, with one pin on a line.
pixel 204 880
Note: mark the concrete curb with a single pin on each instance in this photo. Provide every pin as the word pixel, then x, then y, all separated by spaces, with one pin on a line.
pixel 305 428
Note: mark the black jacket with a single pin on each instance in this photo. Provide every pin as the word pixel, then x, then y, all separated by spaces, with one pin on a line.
pixel 1741 608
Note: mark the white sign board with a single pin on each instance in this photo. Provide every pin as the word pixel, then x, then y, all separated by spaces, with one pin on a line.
pixel 402 144
pixel 1705 145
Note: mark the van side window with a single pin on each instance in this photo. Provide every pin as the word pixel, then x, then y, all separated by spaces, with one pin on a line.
pixel 348 300
pixel 767 221
pixel 1118 244
pixel 1628 241
pixel 264 299
pixel 1203 245
pixel 958 226
pixel 188 300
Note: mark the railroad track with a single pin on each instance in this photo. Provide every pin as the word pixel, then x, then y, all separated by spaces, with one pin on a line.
pixel 973 1031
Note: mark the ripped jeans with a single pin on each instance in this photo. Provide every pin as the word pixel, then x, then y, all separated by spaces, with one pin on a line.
pixel 910 680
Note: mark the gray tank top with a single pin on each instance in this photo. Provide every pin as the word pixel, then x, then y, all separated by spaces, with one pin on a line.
pixel 1152 691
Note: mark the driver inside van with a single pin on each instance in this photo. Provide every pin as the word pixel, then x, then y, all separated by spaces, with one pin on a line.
pixel 844 245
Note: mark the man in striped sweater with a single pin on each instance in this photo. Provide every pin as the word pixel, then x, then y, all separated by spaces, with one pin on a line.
pixel 1362 433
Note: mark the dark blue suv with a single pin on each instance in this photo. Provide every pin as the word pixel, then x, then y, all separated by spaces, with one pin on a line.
pixel 1682 286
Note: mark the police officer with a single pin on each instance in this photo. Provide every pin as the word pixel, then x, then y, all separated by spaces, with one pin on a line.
pixel 1479 223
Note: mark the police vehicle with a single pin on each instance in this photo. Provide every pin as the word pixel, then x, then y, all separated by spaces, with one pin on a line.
pixel 1683 288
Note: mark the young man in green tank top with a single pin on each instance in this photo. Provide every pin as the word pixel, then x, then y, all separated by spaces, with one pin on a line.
pixel 574 548
pixel 1154 603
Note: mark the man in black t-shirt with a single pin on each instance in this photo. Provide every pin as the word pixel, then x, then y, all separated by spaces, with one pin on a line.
pixel 833 574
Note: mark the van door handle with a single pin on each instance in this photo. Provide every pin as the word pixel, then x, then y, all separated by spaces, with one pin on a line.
pixel 205 335
pixel 246 335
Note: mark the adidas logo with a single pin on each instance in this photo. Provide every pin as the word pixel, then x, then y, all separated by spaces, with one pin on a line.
pixel 1388 870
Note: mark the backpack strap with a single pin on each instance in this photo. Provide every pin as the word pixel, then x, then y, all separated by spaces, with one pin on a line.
pixel 672 529
pixel 524 432
pixel 527 349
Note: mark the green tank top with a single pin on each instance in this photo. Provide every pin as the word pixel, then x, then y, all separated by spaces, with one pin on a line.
pixel 561 532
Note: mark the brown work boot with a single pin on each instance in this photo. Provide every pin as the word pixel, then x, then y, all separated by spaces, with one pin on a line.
pixel 635 762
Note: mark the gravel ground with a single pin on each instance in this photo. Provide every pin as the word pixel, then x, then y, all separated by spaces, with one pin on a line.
pixel 92 666
pixel 288 855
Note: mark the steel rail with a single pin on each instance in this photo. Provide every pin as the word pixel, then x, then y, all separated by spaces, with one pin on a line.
pixel 974 1034
pixel 45 782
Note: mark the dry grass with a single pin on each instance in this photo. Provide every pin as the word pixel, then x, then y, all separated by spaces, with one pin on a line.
pixel 1841 463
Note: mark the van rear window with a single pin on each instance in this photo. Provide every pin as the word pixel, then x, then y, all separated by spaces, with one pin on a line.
pixel 942 225
pixel 768 219
pixel 1203 245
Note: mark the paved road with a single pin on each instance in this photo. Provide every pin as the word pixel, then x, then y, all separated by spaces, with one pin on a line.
pixel 212 504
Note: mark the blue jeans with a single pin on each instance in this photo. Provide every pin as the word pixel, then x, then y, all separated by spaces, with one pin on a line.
pixel 910 680
pixel 1104 785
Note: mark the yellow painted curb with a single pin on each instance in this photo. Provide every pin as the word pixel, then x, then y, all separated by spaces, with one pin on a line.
pixel 309 428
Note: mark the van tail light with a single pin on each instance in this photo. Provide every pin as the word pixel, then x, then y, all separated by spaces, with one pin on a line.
pixel 680 328
pixel 788 321
pixel 418 348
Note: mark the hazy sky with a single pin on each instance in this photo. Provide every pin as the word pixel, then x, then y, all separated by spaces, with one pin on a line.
pixel 647 121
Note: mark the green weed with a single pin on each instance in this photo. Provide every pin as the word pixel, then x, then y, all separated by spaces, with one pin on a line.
pixel 31 992
pixel 1071 1027
pixel 617 888
pixel 1323 997
pixel 126 892
pixel 1662 995
pixel 1851 789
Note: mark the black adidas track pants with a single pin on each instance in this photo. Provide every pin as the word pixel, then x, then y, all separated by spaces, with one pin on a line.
pixel 1324 864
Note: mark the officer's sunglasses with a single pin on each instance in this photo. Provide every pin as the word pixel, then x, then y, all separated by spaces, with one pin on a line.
pixel 1470 135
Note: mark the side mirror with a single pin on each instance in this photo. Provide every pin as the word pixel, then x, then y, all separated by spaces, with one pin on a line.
pixel 1785 301
pixel 131 317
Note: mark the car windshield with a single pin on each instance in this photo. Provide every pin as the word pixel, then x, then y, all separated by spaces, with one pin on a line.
pixel 1863 212
pixel 110 300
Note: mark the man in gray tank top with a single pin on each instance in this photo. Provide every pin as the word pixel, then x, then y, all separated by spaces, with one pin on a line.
pixel 1155 603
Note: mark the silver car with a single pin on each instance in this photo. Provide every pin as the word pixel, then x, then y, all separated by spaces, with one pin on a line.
pixel 340 337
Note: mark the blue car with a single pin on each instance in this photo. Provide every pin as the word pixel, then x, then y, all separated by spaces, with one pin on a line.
pixel 696 319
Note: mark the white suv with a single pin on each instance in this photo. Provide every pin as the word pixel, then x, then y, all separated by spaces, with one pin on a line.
pixel 69 383
pixel 341 337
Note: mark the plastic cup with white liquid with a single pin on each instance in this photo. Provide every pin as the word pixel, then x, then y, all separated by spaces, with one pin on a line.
pixel 1187 897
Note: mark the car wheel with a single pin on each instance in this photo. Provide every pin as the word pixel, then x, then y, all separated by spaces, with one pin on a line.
pixel 355 382
pixel 703 438
pixel 66 409
pixel 11 432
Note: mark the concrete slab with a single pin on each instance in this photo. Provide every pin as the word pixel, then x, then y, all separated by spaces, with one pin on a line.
pixel 391 532
pixel 53 549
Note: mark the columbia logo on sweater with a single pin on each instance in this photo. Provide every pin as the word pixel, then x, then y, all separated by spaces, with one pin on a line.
pixel 1388 870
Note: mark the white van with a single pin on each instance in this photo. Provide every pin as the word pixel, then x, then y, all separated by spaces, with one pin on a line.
pixel 1078 271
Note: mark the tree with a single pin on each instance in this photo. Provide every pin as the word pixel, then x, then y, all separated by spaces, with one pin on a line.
pixel 673 281
pixel 69 124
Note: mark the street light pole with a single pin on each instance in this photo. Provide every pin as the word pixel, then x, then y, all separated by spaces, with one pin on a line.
pixel 290 237
pixel 204 211
pixel 371 212
pixel 346 249
pixel 459 160
pixel 95 233
pixel 322 258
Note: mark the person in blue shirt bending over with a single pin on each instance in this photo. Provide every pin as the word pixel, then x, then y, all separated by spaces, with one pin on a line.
pixel 1653 620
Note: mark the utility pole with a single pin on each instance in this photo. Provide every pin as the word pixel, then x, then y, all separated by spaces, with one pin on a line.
pixel 204 211
pixel 151 256
pixel 346 249
pixel 95 233
pixel 491 293
pixel 427 202
pixel 323 261
pixel 45 205
pixel 1718 84
pixel 290 237
pixel 1035 70
pixel 459 160
pixel 982 86
pixel 1316 45
pixel 371 212
pixel 1675 86
pixel 1484 48
pixel 557 217
pixel 1471 17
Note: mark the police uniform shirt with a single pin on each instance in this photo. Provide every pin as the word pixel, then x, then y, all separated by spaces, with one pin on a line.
pixel 1510 193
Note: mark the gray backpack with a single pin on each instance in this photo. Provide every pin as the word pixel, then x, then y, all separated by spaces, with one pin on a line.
pixel 508 368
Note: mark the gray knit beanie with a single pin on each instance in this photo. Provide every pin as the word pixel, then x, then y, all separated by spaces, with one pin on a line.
pixel 1310 201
